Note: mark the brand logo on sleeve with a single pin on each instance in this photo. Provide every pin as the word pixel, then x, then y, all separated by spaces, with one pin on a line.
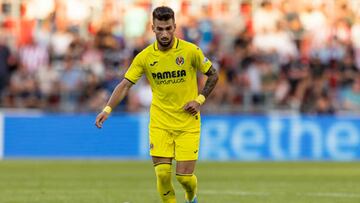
pixel 205 60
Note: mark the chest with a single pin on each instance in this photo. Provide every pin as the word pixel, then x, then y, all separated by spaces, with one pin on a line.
pixel 174 61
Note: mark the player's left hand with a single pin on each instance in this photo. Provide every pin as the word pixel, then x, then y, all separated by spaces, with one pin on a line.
pixel 192 107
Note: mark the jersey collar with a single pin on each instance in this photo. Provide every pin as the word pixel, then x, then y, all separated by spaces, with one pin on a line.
pixel 175 45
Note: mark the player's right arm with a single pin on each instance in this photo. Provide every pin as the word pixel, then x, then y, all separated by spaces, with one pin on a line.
pixel 117 96
pixel 132 75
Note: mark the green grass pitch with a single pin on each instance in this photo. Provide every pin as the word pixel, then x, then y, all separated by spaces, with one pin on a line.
pixel 80 181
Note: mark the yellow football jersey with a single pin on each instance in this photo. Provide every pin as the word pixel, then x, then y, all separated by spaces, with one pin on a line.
pixel 172 75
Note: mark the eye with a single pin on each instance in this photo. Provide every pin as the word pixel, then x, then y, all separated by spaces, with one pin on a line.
pixel 168 28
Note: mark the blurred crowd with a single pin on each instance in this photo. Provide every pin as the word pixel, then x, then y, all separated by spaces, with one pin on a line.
pixel 301 56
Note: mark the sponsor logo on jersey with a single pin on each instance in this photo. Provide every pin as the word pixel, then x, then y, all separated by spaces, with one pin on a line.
pixel 169 74
pixel 169 77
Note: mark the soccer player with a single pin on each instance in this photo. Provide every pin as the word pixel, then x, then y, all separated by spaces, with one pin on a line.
pixel 170 65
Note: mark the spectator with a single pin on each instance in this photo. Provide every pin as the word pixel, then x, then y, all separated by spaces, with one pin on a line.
pixel 71 83
pixel 351 96
pixel 33 56
pixel 59 43
pixel 266 17
pixel 48 81
pixel 4 64
pixel 277 55
pixel 23 91
pixel 323 105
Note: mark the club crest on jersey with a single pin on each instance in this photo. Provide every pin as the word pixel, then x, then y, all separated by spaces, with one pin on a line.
pixel 180 60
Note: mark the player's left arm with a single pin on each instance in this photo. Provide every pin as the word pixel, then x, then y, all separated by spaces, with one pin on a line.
pixel 211 81
pixel 194 106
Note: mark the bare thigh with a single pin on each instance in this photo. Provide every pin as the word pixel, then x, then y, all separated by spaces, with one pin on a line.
pixel 161 160
pixel 185 167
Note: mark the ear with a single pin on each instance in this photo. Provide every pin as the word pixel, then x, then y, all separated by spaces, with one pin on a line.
pixel 153 27
pixel 174 26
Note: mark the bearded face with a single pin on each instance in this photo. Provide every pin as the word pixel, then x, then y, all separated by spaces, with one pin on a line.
pixel 164 31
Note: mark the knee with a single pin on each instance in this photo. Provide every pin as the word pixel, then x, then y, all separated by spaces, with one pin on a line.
pixel 163 172
pixel 184 179
pixel 163 176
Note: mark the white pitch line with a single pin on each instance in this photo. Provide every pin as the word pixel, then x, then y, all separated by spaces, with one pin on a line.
pixel 248 193
pixel 332 194
pixel 233 192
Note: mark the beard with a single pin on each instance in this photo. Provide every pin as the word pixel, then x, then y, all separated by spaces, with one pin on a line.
pixel 165 44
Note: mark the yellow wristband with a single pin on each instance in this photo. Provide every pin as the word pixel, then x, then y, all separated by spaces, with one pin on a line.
pixel 107 109
pixel 200 99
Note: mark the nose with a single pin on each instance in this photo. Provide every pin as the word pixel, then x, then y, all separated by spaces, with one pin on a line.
pixel 164 33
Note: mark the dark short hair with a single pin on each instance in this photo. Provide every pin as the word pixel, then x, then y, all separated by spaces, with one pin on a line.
pixel 163 13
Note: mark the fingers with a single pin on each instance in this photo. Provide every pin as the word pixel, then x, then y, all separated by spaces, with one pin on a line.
pixel 186 107
pixel 100 120
pixel 193 113
pixel 98 123
pixel 191 109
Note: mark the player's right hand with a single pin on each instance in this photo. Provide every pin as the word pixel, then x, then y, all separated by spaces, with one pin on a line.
pixel 100 119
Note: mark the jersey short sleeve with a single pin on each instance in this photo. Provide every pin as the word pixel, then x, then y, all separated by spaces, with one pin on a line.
pixel 199 61
pixel 136 69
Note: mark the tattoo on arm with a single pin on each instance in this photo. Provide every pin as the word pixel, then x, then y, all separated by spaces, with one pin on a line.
pixel 210 82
